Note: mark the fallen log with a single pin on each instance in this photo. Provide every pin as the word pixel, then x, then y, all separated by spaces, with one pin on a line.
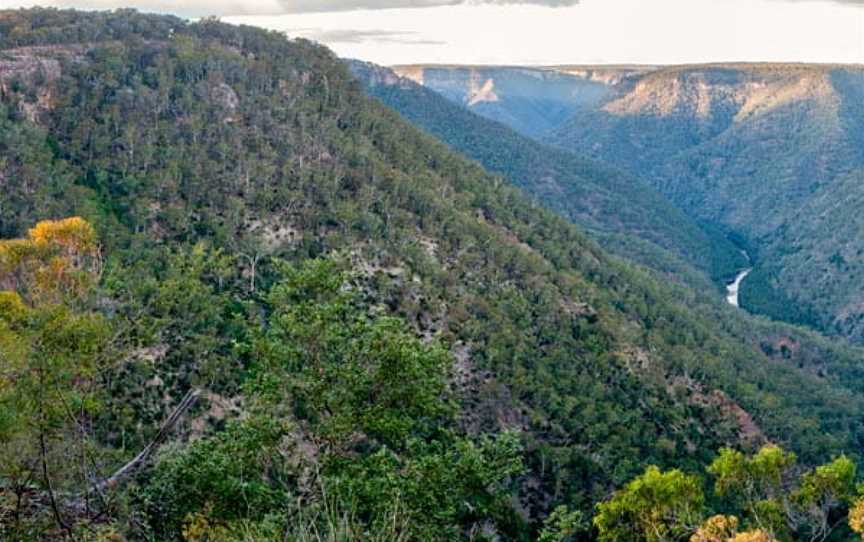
pixel 144 455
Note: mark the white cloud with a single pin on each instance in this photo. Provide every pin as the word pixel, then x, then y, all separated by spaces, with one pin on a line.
pixel 199 8
pixel 594 31
pixel 345 35
pixel 513 32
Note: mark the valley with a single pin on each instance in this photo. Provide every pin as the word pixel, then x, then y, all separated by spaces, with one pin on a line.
pixel 251 292
pixel 743 148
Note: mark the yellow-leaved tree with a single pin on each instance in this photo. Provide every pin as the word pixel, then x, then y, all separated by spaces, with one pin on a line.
pixel 58 261
pixel 722 528
pixel 856 517
pixel 51 347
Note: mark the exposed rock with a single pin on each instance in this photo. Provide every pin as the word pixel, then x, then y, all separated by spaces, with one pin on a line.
pixel 489 405
pixel 223 96
pixel 578 308
pixel 274 233
pixel 150 354
pixel 478 93
pixel 749 433
pixel 219 409
pixel 29 73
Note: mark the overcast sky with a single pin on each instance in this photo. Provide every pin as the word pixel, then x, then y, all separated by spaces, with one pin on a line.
pixel 545 31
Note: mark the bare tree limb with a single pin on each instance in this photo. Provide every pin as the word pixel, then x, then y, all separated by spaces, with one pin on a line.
pixel 139 460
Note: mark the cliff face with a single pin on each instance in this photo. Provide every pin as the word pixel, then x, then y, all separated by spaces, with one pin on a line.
pixel 673 110
pixel 537 100
pixel 530 100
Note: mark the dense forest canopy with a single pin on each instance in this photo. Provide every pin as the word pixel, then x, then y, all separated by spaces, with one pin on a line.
pixel 279 311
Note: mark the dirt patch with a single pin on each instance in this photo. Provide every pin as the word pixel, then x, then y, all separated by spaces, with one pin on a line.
pixel 749 433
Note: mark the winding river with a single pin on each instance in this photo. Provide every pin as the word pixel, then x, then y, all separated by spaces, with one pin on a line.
pixel 733 287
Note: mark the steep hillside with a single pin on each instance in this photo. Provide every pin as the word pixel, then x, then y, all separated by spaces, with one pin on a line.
pixel 371 393
pixel 750 148
pixel 811 269
pixel 742 148
pixel 605 201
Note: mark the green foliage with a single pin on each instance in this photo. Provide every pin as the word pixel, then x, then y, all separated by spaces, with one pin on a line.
pixel 763 473
pixel 835 480
pixel 562 525
pixel 774 498
pixel 345 372
pixel 655 507
pixel 444 488
pixel 375 399
pixel 204 152
pixel 761 294
pixel 52 347
pixel 237 473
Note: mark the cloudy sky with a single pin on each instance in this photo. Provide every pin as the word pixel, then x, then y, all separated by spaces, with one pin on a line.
pixel 545 31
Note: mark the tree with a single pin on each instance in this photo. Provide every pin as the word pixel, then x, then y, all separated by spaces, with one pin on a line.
pixel 717 528
pixel 856 517
pixel 721 528
pixel 58 262
pixel 562 525
pixel 655 507
pixel 821 492
pixel 760 484
pixel 753 536
pixel 777 499
pixel 51 349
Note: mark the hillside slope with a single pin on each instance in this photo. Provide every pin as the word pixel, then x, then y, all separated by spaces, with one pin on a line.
pixel 204 153
pixel 607 202
pixel 751 148
pixel 742 148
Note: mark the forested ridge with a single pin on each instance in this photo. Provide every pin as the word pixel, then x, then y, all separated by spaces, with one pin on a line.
pixel 769 151
pixel 375 338
pixel 600 198
pixel 768 154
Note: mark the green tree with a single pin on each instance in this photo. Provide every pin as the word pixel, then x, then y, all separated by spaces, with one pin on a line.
pixel 562 525
pixel 237 473
pixel 759 484
pixel 372 401
pixel 655 507
pixel 51 348
pixel 821 492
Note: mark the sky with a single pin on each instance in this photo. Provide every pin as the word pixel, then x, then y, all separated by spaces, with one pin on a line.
pixel 539 32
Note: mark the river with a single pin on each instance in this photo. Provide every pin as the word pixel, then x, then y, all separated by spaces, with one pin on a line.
pixel 733 287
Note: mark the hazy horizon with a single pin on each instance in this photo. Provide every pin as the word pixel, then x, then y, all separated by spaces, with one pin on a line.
pixel 547 32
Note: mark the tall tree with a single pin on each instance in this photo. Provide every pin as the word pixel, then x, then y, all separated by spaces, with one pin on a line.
pixel 51 348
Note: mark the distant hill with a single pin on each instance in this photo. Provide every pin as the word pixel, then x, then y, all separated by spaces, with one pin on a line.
pixel 531 100
pixel 768 151
pixel 747 149
pixel 605 200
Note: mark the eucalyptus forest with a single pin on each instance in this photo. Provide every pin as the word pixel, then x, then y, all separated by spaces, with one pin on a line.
pixel 243 298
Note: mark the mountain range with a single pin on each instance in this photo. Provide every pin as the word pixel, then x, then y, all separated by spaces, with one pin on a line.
pixel 373 330
pixel 769 154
